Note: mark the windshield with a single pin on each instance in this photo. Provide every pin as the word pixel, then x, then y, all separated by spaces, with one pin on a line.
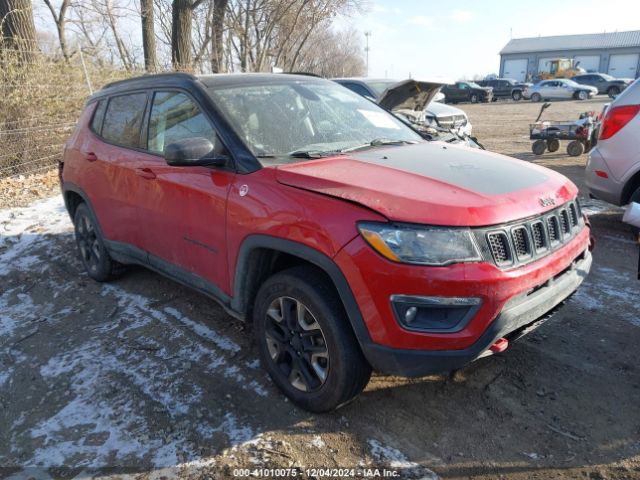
pixel 571 83
pixel 380 86
pixel 290 117
pixel 608 78
pixel 473 85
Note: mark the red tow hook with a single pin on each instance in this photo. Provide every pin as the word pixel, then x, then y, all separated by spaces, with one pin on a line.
pixel 500 345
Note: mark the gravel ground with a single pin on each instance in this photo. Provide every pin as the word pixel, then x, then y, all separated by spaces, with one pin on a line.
pixel 142 378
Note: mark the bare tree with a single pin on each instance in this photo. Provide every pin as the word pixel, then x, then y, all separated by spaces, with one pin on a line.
pixel 60 20
pixel 148 35
pixel 182 14
pixel 17 27
pixel 217 33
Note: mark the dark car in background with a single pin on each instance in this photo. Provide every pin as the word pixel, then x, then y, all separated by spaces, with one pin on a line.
pixel 604 83
pixel 505 88
pixel 466 92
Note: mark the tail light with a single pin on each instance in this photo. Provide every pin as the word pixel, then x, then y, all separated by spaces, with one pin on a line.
pixel 616 118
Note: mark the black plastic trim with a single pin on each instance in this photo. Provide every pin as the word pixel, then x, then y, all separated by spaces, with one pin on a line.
pixel 240 302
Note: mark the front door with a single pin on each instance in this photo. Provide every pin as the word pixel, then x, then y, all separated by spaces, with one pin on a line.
pixel 183 208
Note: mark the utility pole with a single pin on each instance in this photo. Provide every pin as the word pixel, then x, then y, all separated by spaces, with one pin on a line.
pixel 367 49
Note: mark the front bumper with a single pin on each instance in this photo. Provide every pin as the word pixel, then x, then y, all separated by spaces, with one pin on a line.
pixel 520 316
pixel 391 348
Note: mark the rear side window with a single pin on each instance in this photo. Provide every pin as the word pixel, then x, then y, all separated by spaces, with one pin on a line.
pixel 123 119
pixel 98 115
pixel 174 116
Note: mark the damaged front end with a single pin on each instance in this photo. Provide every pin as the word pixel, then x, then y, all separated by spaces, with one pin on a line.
pixel 408 100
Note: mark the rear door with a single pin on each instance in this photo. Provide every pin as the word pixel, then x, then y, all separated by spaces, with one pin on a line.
pixel 113 186
pixel 183 209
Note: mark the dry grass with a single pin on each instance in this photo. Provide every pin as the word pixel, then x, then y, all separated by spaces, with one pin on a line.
pixel 40 101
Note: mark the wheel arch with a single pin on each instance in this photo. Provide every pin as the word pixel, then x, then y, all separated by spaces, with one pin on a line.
pixel 629 187
pixel 260 256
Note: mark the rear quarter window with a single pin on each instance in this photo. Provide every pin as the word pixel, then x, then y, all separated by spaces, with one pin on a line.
pixel 98 115
pixel 123 119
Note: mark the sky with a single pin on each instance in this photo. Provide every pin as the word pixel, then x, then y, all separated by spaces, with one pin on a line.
pixel 453 40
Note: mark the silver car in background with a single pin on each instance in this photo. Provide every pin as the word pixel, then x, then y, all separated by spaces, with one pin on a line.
pixel 559 89
pixel 613 168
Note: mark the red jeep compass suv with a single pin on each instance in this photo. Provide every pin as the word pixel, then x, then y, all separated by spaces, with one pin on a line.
pixel 350 242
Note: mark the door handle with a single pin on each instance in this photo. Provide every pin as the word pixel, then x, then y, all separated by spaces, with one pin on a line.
pixel 90 157
pixel 145 173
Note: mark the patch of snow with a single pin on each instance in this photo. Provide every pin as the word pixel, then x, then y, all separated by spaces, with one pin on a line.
pixel 23 229
pixel 592 206
pixel 219 340
pixel 396 459
pixel 317 442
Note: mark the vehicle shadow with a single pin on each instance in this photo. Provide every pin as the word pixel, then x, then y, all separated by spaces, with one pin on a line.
pixel 146 376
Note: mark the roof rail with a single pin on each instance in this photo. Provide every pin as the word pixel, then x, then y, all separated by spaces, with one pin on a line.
pixel 146 76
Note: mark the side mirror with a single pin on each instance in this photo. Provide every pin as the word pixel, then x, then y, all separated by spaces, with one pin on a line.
pixel 192 152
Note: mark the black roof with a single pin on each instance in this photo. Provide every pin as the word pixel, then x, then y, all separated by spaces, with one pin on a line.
pixel 186 80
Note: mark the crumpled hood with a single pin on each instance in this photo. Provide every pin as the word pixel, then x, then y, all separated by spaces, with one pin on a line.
pixel 409 95
pixel 434 183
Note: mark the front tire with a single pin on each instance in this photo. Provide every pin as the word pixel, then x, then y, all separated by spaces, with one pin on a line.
pixel 95 257
pixel 582 95
pixel 536 97
pixel 305 341
pixel 474 98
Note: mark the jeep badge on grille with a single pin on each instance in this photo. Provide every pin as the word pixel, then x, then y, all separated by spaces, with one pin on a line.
pixel 546 201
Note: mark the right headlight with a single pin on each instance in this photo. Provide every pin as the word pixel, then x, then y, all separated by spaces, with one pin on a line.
pixel 421 245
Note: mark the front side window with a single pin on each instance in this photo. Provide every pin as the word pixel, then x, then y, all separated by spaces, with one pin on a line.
pixel 174 116
pixel 276 119
pixel 123 119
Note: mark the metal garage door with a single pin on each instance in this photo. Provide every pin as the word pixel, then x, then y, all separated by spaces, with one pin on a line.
pixel 623 65
pixel 516 69
pixel 591 63
pixel 543 66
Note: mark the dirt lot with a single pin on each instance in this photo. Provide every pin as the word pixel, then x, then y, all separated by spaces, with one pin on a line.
pixel 145 378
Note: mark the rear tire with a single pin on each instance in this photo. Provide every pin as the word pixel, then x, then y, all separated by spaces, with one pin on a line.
pixel 613 92
pixel 93 253
pixel 305 340
pixel 575 148
pixel 553 145
pixel 516 96
pixel 538 147
pixel 536 97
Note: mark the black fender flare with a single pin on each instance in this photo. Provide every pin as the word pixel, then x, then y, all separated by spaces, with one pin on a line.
pixel 240 299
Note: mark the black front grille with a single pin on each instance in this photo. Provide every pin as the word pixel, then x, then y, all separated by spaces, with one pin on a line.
pixel 499 244
pixel 573 212
pixel 554 229
pixel 539 239
pixel 521 242
pixel 564 222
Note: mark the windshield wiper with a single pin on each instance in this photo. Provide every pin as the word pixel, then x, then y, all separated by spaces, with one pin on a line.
pixel 313 153
pixel 379 142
